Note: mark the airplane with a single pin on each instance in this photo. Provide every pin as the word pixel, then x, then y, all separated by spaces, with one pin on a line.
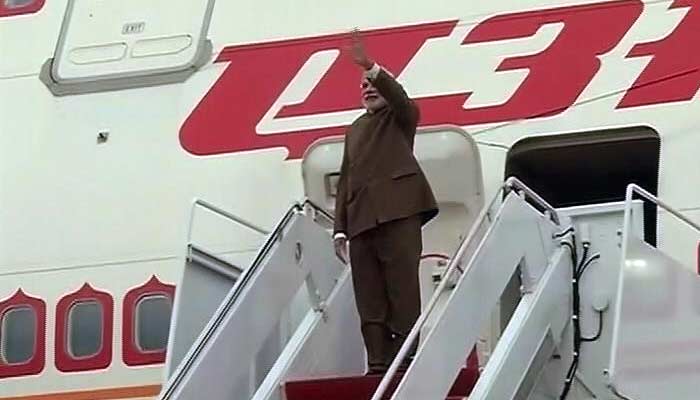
pixel 115 115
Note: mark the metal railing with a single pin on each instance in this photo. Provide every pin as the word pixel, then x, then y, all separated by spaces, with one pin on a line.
pixel 516 184
pixel 199 203
pixel 220 211
pixel 244 279
pixel 632 189
pixel 511 184
pixel 241 221
pixel 317 209
pixel 627 228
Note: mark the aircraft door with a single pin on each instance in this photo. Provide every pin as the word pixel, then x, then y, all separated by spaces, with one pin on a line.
pixel 450 159
pixel 109 44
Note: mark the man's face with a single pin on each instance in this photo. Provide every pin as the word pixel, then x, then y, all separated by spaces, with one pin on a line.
pixel 371 99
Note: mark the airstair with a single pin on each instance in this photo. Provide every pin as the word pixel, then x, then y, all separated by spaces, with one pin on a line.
pixel 286 327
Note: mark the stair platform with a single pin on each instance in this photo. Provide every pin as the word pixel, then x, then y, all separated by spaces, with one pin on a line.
pixel 363 387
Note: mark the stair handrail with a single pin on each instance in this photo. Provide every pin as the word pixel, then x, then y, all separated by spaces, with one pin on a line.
pixel 220 211
pixel 626 229
pixel 248 274
pixel 318 209
pixel 632 189
pixel 514 183
pixel 510 184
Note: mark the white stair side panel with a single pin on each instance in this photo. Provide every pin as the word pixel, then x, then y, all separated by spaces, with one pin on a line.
pixel 546 311
pixel 509 242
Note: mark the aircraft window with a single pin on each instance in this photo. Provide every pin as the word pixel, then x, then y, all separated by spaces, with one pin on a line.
pixel 17 335
pixel 18 3
pixel 85 329
pixel 153 323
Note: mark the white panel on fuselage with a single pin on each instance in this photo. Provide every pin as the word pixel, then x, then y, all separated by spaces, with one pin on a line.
pixel 127 38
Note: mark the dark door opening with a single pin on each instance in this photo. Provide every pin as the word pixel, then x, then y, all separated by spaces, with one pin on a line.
pixel 590 167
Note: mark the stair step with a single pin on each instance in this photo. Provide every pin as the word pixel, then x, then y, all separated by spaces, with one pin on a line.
pixel 362 387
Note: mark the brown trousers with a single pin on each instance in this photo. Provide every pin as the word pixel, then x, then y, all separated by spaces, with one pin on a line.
pixel 385 278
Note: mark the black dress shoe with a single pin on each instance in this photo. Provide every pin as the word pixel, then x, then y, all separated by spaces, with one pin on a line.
pixel 376 370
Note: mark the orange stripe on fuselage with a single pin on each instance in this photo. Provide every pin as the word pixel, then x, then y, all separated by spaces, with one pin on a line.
pixel 101 394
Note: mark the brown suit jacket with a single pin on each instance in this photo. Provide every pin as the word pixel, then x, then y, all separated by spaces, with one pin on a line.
pixel 380 179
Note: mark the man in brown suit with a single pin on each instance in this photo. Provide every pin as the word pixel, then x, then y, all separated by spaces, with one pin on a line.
pixel 382 203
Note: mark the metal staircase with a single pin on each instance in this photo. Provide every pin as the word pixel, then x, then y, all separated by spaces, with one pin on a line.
pixel 294 299
pixel 288 328
pixel 657 315
pixel 519 237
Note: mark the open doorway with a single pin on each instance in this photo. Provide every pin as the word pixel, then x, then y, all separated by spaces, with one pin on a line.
pixel 590 167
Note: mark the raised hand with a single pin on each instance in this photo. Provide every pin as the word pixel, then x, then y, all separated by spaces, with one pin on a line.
pixel 359 55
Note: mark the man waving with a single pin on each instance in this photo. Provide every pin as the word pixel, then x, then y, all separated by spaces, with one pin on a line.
pixel 383 201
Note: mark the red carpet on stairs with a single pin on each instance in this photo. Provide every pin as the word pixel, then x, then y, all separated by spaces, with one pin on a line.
pixel 363 387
